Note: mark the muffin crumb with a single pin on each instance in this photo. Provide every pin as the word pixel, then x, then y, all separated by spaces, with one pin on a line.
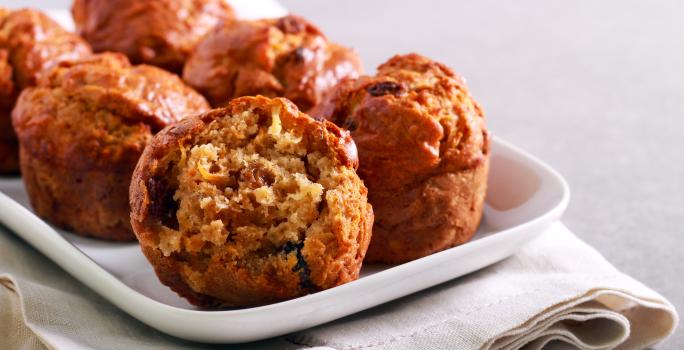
pixel 269 206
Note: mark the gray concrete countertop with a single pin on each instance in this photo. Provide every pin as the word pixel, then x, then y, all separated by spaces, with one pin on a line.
pixel 594 88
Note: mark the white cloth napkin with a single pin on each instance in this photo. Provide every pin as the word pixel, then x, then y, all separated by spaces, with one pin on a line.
pixel 557 292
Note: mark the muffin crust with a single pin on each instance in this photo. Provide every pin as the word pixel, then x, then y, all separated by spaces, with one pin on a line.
pixel 287 57
pixel 30 44
pixel 251 204
pixel 81 132
pixel 157 32
pixel 424 154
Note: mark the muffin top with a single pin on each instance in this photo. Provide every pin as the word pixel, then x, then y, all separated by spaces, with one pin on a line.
pixel 100 111
pixel 158 32
pixel 287 57
pixel 35 43
pixel 255 196
pixel 415 118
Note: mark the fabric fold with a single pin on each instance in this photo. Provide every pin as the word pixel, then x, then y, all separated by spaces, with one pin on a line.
pixel 556 291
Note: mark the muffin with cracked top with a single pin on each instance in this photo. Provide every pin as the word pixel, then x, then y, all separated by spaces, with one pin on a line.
pixel 30 44
pixel 158 32
pixel 286 57
pixel 81 131
pixel 424 154
pixel 251 204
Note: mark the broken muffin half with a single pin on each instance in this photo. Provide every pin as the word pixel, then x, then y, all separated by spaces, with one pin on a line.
pixel 251 204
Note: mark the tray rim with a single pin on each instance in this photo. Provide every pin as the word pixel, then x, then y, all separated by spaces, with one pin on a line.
pixel 66 255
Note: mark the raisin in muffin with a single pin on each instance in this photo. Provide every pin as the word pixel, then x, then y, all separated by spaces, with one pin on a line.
pixel 81 131
pixel 251 204
pixel 424 155
pixel 286 57
pixel 158 32
pixel 30 44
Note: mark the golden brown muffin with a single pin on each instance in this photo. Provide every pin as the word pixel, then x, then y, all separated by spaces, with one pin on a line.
pixel 158 32
pixel 30 43
pixel 251 204
pixel 286 57
pixel 81 132
pixel 424 155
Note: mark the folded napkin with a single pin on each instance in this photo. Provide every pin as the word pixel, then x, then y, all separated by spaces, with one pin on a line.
pixel 557 292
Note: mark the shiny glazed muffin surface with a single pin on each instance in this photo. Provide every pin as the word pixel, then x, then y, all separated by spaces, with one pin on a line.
pixel 158 32
pixel 286 57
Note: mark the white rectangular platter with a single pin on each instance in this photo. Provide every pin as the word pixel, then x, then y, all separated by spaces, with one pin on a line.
pixel 525 196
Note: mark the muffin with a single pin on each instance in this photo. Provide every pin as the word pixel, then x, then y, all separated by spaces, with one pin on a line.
pixel 286 57
pixel 423 151
pixel 251 204
pixel 158 32
pixel 30 43
pixel 81 131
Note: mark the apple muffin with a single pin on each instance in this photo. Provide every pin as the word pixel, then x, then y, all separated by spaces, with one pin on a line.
pixel 423 152
pixel 30 44
pixel 251 204
pixel 81 131
pixel 157 32
pixel 284 57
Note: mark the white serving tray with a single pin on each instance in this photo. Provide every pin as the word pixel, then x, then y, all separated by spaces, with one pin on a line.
pixel 525 196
